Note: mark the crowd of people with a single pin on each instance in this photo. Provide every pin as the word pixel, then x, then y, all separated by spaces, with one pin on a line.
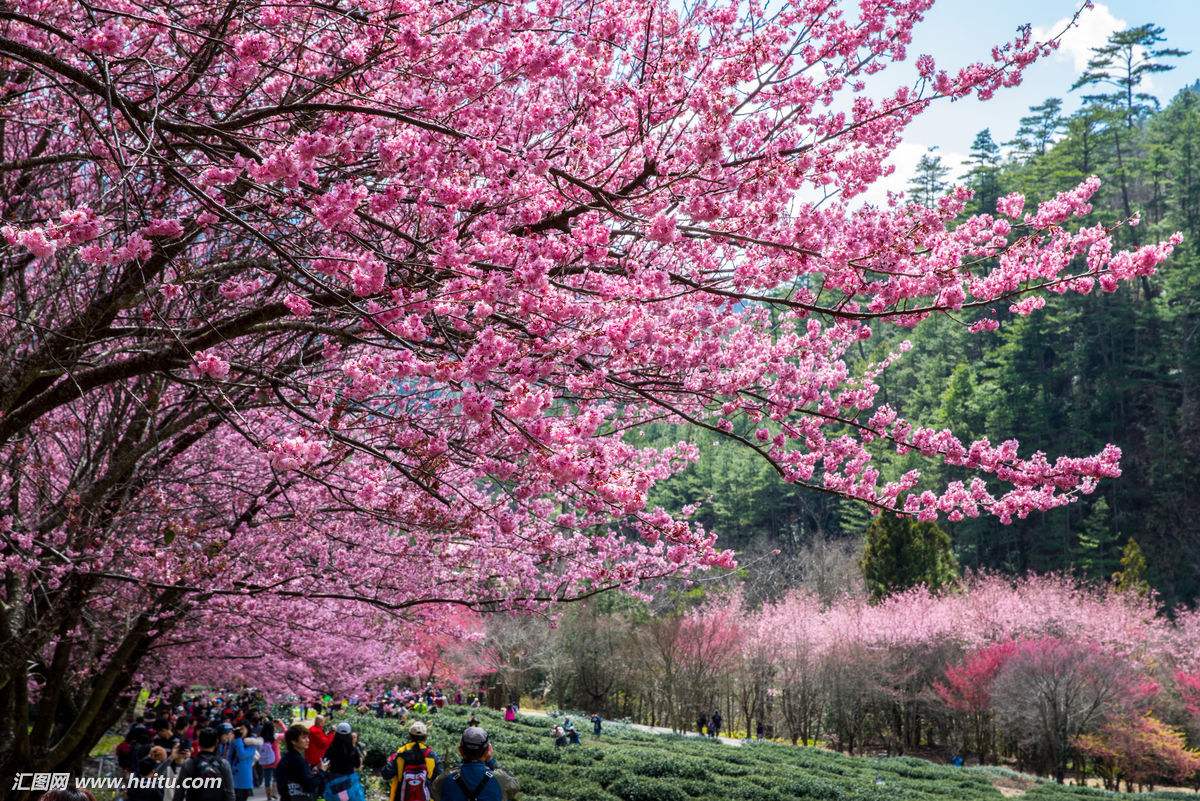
pixel 710 725
pixel 229 736
pixel 402 702
pixel 395 703
pixel 232 740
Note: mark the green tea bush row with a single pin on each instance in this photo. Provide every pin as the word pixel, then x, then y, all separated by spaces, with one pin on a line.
pixel 630 765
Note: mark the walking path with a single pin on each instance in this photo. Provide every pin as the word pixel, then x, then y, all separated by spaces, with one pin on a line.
pixel 639 727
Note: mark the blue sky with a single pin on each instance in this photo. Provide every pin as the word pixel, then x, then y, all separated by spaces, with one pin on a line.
pixel 957 32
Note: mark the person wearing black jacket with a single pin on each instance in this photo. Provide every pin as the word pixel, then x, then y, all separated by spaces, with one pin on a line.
pixel 342 781
pixel 206 764
pixel 146 783
pixel 295 779
pixel 165 736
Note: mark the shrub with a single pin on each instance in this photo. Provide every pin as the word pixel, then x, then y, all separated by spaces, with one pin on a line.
pixel 642 788
pixel 672 766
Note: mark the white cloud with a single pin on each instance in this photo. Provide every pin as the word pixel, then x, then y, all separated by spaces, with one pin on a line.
pixel 905 158
pixel 1093 29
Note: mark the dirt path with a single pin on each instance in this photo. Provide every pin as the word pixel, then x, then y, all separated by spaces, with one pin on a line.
pixel 638 727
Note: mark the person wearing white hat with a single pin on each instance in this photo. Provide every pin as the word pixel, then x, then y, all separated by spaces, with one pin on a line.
pixel 345 760
pixel 413 767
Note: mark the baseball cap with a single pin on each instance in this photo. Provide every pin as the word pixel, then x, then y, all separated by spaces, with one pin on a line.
pixel 225 727
pixel 474 737
pixel 418 729
pixel 343 727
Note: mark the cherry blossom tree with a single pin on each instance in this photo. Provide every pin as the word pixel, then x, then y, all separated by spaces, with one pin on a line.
pixel 1142 751
pixel 966 689
pixel 791 632
pixel 339 317
pixel 1051 691
pixel 1189 688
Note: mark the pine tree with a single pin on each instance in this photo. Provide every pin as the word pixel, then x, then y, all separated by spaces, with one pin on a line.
pixel 1038 130
pixel 902 552
pixel 1182 125
pixel 1082 146
pixel 1097 550
pixel 984 175
pixel 1122 64
pixel 929 181
pixel 1132 575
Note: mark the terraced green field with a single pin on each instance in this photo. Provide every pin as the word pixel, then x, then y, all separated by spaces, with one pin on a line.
pixel 629 765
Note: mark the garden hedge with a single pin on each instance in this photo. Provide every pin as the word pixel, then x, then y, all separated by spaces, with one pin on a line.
pixel 629 765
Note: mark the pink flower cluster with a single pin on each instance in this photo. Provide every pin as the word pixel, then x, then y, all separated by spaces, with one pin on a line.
pixel 207 364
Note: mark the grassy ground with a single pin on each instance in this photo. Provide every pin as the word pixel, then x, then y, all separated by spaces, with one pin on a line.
pixel 107 745
pixel 628 765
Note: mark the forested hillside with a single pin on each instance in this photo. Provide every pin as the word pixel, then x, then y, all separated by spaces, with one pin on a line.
pixel 1120 367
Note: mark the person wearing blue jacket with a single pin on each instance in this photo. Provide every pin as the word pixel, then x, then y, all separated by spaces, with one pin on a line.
pixel 242 751
pixel 478 778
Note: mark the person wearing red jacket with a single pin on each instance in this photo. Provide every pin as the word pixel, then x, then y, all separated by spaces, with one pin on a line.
pixel 318 741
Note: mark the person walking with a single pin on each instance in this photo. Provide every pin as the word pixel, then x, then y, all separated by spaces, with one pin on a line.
pixel 209 768
pixel 714 729
pixel 758 730
pixel 225 741
pixel 145 783
pixel 510 713
pixel 268 758
pixel 164 735
pixel 477 779
pixel 344 758
pixel 296 779
pixel 596 721
pixel 174 766
pixel 131 750
pixel 318 741
pixel 244 750
pixel 412 767
pixel 701 724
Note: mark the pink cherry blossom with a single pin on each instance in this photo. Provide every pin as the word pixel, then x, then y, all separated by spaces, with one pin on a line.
pixel 209 364
pixel 521 254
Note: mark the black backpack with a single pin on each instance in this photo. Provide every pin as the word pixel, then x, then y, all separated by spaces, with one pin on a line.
pixel 208 766
pixel 469 793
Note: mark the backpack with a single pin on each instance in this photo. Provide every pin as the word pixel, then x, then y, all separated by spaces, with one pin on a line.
pixel 414 776
pixel 208 766
pixel 471 794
